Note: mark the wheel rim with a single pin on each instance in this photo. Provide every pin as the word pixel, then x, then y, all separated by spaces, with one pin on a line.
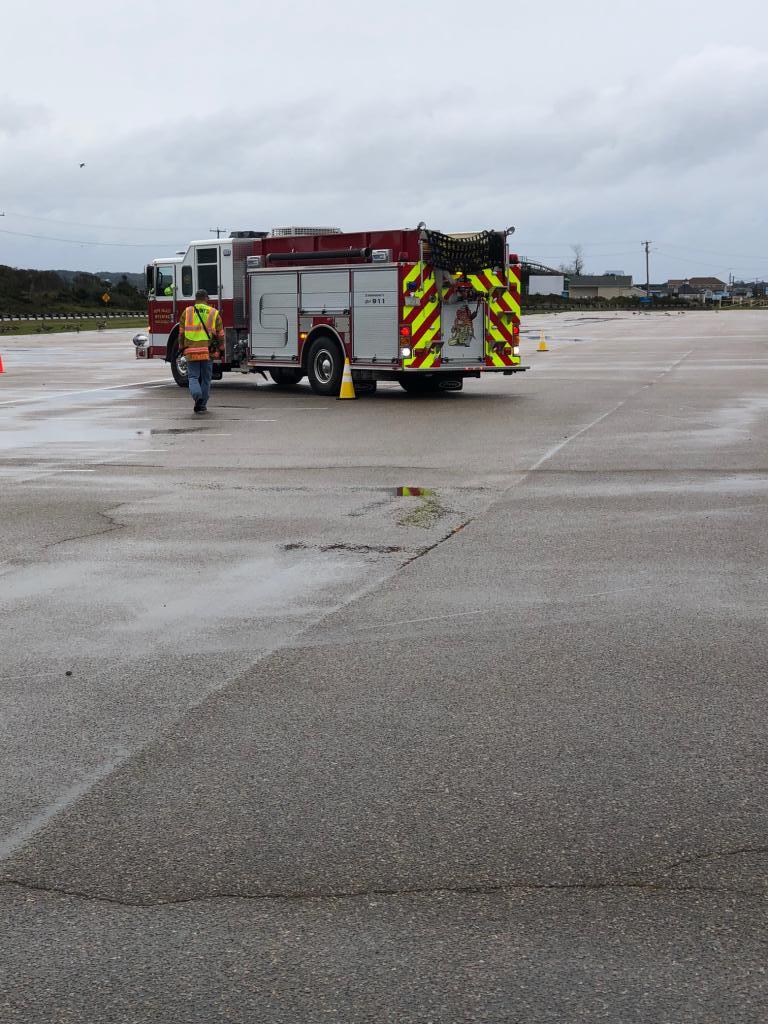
pixel 324 366
pixel 181 365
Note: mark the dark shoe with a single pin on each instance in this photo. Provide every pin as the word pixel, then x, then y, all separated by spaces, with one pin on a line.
pixel 203 408
pixel 198 405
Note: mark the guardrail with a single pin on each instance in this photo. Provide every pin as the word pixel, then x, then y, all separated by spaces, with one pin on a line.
pixel 112 315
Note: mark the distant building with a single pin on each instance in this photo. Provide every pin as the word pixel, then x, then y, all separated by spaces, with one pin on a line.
pixel 701 288
pixel 600 286
pixel 742 291
pixel 547 284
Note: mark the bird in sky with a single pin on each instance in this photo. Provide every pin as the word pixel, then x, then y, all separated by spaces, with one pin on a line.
pixel 82 165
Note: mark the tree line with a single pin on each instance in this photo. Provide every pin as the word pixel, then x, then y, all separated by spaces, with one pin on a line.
pixel 43 291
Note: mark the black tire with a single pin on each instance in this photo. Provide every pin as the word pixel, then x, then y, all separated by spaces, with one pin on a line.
pixel 286 378
pixel 325 365
pixel 179 368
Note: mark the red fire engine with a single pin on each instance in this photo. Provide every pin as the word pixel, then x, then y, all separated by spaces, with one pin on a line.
pixel 415 306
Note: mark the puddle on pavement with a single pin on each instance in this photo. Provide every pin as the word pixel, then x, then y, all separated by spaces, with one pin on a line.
pixel 59 432
pixel 237 603
pixel 429 510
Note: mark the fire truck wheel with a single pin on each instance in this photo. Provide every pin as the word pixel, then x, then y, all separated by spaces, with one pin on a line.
pixel 286 378
pixel 179 369
pixel 325 366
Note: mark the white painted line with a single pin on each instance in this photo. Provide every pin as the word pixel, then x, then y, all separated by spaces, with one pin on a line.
pixel 27 829
pixel 559 447
pixel 89 391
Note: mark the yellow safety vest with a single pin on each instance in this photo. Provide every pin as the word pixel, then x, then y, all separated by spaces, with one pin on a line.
pixel 199 336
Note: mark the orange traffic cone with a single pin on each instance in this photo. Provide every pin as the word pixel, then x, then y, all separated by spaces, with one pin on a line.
pixel 347 387
pixel 2 368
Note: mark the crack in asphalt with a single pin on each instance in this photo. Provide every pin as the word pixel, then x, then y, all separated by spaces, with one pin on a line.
pixel 365 549
pixel 697 858
pixel 649 887
pixel 523 476
pixel 113 525
pixel 19 563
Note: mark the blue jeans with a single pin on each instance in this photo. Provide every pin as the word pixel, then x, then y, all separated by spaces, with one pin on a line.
pixel 200 379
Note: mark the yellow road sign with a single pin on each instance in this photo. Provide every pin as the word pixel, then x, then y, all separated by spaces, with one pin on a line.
pixel 105 298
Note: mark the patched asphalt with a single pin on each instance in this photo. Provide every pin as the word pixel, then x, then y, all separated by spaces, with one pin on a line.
pixel 500 761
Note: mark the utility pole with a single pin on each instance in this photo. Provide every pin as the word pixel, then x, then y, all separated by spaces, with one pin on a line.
pixel 219 231
pixel 647 246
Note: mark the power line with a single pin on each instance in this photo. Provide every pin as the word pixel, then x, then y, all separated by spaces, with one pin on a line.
pixel 713 252
pixel 80 241
pixel 700 263
pixel 106 227
pixel 569 245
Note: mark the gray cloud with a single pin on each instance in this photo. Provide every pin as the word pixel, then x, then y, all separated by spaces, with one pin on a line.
pixel 17 118
pixel 621 155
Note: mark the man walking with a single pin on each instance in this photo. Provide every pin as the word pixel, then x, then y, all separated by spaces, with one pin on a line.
pixel 200 334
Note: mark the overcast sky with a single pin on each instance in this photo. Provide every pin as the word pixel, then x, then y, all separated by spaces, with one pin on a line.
pixel 600 122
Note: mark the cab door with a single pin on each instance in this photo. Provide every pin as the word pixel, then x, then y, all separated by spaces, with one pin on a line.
pixel 163 307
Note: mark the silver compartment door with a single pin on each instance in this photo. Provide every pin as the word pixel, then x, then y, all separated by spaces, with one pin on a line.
pixel 275 314
pixel 325 292
pixel 375 314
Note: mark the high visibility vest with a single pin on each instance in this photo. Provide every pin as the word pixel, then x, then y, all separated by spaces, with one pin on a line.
pixel 198 337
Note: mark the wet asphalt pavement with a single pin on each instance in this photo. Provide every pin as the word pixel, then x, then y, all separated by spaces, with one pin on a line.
pixel 280 744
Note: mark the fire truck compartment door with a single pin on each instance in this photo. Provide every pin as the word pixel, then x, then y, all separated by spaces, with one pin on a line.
pixel 325 292
pixel 462 328
pixel 376 312
pixel 274 313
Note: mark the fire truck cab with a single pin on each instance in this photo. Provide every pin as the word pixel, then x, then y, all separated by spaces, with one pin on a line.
pixel 415 306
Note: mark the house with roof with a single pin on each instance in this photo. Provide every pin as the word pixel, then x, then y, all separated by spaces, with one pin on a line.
pixel 698 289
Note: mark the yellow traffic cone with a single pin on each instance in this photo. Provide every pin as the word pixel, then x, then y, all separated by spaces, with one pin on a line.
pixel 542 344
pixel 347 387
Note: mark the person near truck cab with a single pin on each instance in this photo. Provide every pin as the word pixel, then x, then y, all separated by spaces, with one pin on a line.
pixel 200 335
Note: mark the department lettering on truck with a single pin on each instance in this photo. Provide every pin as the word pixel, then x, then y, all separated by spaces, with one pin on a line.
pixel 416 306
